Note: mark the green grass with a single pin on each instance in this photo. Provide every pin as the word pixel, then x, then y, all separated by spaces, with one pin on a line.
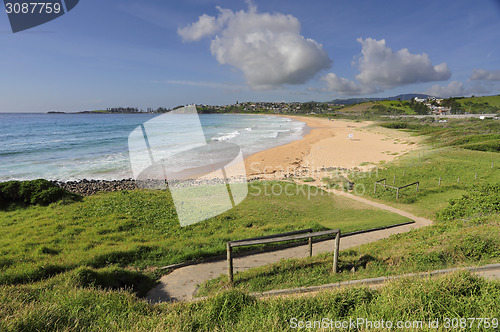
pixel 15 194
pixel 62 306
pixel 398 105
pixel 492 100
pixel 456 167
pixel 78 266
pixel 453 153
pixel 106 298
pixel 466 234
pixel 487 104
pixel 469 134
pixel 139 229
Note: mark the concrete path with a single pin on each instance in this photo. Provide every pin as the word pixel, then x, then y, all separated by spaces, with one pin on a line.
pixel 490 272
pixel 181 283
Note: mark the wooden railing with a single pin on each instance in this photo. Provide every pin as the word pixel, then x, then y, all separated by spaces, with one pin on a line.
pixel 289 236
pixel 379 182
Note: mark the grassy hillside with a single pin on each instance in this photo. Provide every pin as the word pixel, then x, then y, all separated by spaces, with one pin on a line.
pixel 358 108
pixel 453 154
pixel 72 308
pixel 466 234
pixel 471 134
pixel 83 265
pixel 456 168
pixel 402 106
pixel 139 229
pixel 382 107
pixel 488 104
pixel 85 299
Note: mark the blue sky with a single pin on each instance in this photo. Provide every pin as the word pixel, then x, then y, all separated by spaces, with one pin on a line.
pixel 152 53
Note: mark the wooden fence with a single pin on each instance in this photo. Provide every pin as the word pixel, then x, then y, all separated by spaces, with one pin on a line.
pixel 379 182
pixel 289 236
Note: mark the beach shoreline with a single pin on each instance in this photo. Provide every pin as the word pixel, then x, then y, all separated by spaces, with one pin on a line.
pixel 327 145
pixel 330 144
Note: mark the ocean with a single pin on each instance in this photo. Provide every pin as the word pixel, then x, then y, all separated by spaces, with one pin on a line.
pixel 69 147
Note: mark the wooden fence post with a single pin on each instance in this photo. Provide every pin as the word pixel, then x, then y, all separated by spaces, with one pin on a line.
pixel 310 247
pixel 397 193
pixel 336 252
pixel 295 235
pixel 439 181
pixel 229 263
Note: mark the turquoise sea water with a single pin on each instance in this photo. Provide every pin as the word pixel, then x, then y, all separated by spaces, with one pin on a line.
pixel 95 146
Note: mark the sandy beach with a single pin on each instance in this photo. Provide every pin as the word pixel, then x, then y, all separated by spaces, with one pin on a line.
pixel 339 146
pixel 331 144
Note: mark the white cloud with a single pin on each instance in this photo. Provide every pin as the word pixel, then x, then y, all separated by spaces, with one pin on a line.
pixel 205 26
pixel 344 86
pixel 454 89
pixel 485 75
pixel 267 48
pixel 381 68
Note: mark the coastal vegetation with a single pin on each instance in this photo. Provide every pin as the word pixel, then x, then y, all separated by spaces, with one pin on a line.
pixel 15 194
pixel 139 229
pixel 443 174
pixel 466 233
pixel 64 305
pixel 471 134
pixel 75 264
pixel 88 298
pixel 458 187
pixel 364 107
pixel 395 107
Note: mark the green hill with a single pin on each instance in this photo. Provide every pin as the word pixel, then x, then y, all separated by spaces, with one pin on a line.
pixel 487 104
pixel 382 107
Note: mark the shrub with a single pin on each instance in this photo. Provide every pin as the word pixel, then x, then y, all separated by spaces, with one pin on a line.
pixel 476 247
pixel 114 278
pixel 490 146
pixel 476 203
pixel 34 192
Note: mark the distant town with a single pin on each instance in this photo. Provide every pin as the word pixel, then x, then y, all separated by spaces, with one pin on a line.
pixel 408 104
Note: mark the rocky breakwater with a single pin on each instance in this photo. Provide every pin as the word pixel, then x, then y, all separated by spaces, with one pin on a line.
pixel 90 187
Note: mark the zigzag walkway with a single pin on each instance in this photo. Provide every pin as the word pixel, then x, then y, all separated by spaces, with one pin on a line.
pixel 181 283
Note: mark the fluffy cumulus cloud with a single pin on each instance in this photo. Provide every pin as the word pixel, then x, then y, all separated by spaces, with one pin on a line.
pixel 381 68
pixel 454 89
pixel 485 75
pixel 344 86
pixel 267 48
